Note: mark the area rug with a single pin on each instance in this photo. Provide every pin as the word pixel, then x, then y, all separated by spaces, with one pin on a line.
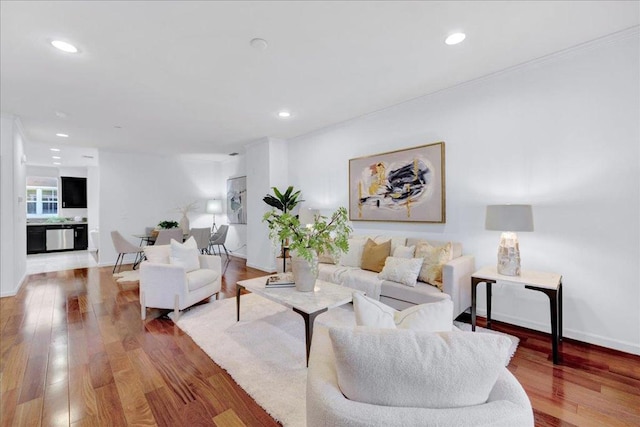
pixel 127 276
pixel 264 352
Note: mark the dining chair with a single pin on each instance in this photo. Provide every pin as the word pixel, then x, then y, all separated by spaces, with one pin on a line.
pixel 124 247
pixel 218 239
pixel 202 237
pixel 165 236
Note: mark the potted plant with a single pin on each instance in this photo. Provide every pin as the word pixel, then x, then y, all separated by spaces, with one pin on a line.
pixel 284 202
pixel 324 235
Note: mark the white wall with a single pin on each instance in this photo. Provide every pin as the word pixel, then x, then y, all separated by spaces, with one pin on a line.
pixel 138 191
pixel 13 233
pixel 560 133
pixel 237 235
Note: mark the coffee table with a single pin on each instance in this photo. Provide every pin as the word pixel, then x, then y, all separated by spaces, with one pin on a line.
pixel 307 304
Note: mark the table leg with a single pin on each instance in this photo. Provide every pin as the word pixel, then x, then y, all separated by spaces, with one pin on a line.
pixel 489 304
pixel 560 311
pixel 554 299
pixel 474 284
pixel 240 288
pixel 308 327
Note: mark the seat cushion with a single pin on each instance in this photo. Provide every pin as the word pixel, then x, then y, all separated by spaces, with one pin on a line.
pixel 158 253
pixel 420 294
pixel 197 279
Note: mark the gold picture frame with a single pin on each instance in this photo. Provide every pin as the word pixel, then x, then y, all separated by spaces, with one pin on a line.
pixel 405 185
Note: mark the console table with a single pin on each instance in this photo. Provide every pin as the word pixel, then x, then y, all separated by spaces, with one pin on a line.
pixel 548 283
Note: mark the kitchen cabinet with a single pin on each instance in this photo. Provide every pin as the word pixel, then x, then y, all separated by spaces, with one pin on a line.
pixel 80 240
pixel 36 239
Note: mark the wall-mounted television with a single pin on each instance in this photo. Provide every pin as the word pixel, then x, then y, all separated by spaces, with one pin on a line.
pixel 74 192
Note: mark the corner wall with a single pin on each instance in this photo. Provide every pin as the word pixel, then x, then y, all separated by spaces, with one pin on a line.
pixel 561 133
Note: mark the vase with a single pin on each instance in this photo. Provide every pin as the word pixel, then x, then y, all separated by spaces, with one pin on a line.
pixel 184 224
pixel 304 272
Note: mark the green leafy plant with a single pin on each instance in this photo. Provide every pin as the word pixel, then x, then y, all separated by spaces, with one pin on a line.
pixel 326 234
pixel 168 224
pixel 284 202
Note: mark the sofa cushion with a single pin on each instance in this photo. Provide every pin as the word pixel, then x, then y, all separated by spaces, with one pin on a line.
pixel 433 317
pixel 456 247
pixel 434 258
pixel 374 255
pixel 416 368
pixel 420 294
pixel 404 251
pixel 158 253
pixel 401 270
pixel 185 254
pixel 197 279
pixel 353 257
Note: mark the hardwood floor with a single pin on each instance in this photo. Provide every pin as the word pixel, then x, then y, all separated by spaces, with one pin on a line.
pixel 75 352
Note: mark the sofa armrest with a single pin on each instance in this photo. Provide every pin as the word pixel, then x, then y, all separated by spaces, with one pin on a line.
pixel 161 283
pixel 456 282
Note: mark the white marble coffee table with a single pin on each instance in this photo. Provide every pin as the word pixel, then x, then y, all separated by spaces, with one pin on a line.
pixel 308 304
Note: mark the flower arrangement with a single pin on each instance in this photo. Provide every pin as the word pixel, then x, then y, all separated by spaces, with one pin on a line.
pixel 184 210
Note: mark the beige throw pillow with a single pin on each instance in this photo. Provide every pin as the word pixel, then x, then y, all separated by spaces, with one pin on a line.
pixel 374 255
pixel 434 258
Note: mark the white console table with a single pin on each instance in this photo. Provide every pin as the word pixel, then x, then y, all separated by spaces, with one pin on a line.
pixel 548 283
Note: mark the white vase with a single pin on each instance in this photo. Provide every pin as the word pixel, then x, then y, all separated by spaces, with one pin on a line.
pixel 184 224
pixel 305 273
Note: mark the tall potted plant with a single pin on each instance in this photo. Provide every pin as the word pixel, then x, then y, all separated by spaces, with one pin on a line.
pixel 324 235
pixel 284 202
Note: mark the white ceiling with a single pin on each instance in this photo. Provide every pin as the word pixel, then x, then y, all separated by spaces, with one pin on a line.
pixel 182 77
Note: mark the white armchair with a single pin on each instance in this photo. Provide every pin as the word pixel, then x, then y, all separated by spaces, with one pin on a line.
pixel 169 286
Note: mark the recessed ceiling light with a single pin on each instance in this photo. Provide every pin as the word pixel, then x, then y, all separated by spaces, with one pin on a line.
pixel 62 135
pixel 55 157
pixel 259 44
pixel 64 46
pixel 57 163
pixel 455 38
pixel 54 149
pixel 284 114
pixel 233 154
pixel 62 114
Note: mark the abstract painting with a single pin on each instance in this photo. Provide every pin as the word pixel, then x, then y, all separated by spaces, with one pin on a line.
pixel 237 200
pixel 404 185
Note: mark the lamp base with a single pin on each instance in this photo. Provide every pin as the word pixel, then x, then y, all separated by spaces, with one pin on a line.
pixel 509 255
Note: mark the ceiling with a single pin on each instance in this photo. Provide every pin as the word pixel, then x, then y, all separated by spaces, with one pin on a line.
pixel 181 77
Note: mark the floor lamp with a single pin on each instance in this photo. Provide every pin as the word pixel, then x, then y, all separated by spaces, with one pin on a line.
pixel 214 206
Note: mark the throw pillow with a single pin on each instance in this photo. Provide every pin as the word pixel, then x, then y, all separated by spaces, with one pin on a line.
pixel 401 270
pixel 416 368
pixel 185 254
pixel 326 258
pixel 374 255
pixel 353 257
pixel 404 251
pixel 431 317
pixel 158 253
pixel 434 258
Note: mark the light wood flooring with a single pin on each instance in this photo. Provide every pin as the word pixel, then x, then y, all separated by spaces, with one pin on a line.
pixel 75 352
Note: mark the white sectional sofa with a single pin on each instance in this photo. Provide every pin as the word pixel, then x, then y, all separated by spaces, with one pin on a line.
pixel 456 275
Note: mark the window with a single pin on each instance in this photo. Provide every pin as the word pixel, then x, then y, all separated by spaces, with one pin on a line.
pixel 42 197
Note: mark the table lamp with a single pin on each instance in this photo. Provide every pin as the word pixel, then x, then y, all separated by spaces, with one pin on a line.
pixel 509 219
pixel 214 206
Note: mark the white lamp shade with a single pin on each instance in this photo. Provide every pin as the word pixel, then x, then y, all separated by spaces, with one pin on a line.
pixel 214 206
pixel 509 218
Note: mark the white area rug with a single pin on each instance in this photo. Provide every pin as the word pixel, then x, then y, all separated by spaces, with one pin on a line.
pixel 127 276
pixel 264 352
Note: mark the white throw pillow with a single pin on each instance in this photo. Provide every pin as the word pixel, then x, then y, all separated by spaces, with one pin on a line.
pixel 158 253
pixel 418 369
pixel 404 251
pixel 431 317
pixel 185 254
pixel 353 257
pixel 401 270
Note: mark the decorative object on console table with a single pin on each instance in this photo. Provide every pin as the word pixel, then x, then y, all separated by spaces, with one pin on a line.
pixel 404 185
pixel 237 200
pixel 306 241
pixel 509 219
pixel 214 206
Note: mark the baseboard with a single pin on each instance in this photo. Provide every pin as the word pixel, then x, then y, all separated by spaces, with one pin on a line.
pixel 260 267
pixel 625 346
pixel 15 292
